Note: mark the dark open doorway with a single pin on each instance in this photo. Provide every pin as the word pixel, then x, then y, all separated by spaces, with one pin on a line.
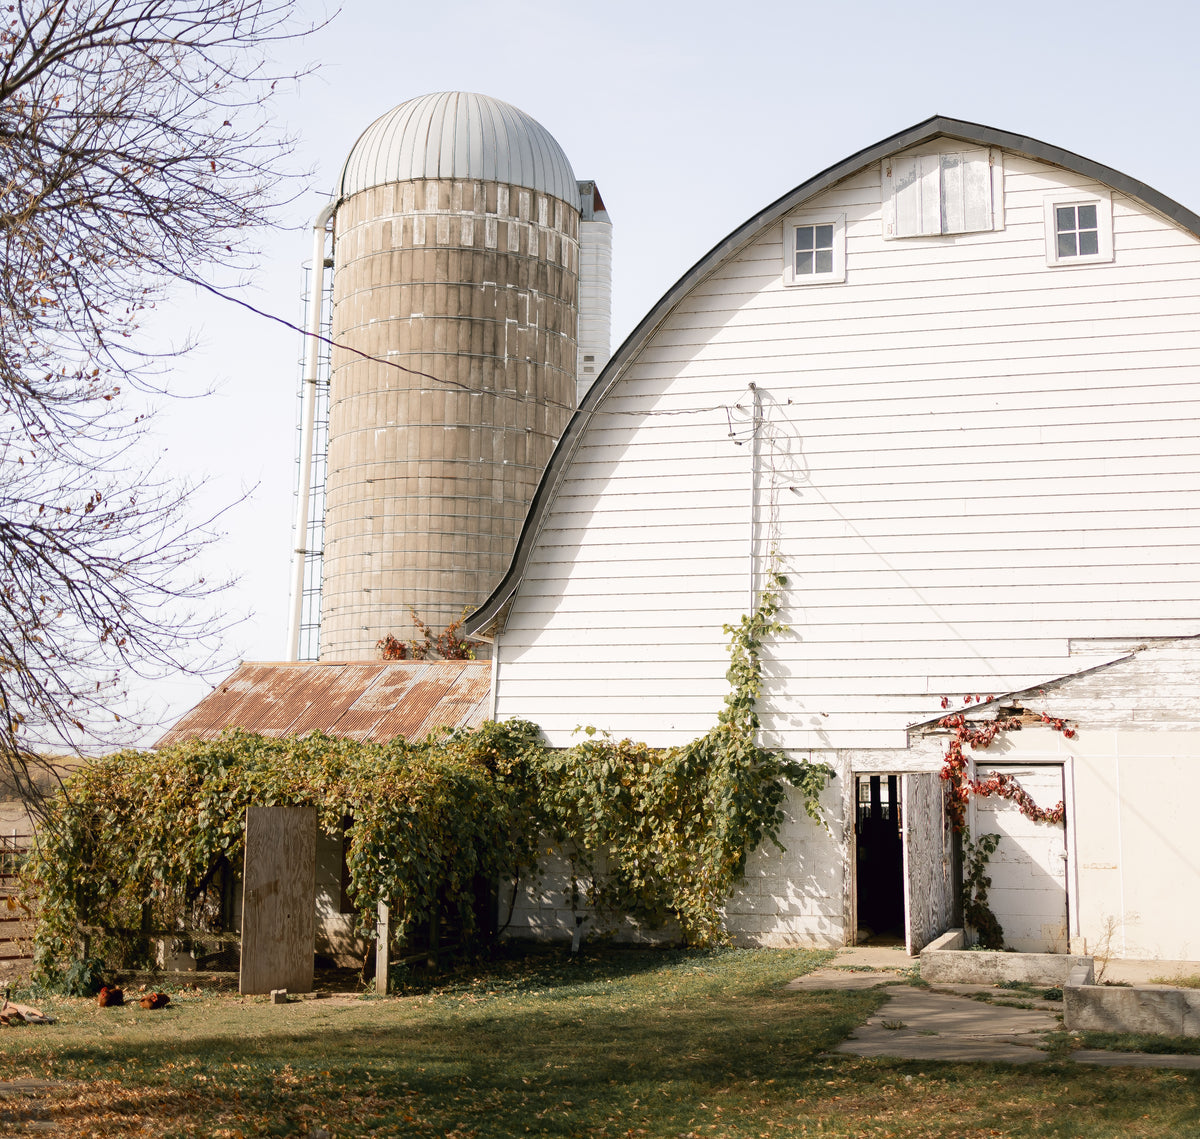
pixel 879 860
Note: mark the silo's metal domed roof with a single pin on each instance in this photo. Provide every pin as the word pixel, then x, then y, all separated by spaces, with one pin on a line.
pixel 457 134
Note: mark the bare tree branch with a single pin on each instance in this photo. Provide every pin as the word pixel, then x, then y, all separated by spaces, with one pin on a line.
pixel 135 149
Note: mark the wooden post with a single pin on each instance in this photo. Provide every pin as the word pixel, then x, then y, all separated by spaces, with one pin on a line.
pixel 434 934
pixel 381 950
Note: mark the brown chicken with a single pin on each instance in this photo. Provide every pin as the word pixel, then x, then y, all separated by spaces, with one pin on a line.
pixel 109 996
pixel 155 1000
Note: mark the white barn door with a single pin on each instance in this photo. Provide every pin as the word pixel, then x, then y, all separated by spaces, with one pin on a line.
pixel 1029 868
pixel 928 884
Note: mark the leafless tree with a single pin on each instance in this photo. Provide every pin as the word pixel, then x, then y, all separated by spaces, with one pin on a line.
pixel 135 150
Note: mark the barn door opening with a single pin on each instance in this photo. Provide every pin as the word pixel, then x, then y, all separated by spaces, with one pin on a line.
pixel 879 860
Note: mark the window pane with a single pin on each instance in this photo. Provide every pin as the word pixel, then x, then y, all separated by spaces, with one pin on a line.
pixel 804 237
pixel 824 237
pixel 1064 217
pixel 824 260
pixel 1066 245
pixel 1089 241
pixel 1087 217
pixel 803 264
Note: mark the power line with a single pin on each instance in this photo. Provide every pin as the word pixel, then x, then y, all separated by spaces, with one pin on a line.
pixel 331 343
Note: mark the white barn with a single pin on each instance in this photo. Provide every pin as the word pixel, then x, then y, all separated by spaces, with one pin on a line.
pixel 955 382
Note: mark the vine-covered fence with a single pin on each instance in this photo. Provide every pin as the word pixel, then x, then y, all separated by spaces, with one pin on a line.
pixel 140 842
pixel 16 926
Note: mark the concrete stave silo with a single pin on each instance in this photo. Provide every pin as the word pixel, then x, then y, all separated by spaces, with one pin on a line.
pixel 456 256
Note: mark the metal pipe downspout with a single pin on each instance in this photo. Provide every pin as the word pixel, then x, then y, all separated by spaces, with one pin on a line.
pixel 307 421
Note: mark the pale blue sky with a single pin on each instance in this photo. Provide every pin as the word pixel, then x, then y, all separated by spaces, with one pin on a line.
pixel 690 117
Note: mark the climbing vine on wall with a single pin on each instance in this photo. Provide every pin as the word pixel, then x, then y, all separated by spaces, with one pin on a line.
pixel 665 832
pixel 976 912
pixel 138 840
pixel 978 735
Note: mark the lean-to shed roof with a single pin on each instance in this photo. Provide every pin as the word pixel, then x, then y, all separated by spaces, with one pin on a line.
pixel 933 128
pixel 361 700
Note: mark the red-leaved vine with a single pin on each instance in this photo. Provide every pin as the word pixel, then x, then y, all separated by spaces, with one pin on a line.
pixel 979 735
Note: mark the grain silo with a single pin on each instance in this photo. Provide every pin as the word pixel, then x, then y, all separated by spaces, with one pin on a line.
pixel 456 288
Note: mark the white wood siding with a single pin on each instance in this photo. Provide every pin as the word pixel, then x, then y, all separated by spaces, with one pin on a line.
pixel 969 458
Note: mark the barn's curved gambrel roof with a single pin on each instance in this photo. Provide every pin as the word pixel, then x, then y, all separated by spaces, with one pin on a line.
pixel 936 127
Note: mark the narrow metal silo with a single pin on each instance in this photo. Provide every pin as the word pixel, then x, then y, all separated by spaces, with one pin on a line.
pixel 455 306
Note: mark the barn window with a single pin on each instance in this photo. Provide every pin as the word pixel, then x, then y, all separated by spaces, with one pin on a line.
pixel 926 195
pixel 814 249
pixel 1078 228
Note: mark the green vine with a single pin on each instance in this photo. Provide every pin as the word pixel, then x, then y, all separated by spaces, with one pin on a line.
pixel 140 842
pixel 976 912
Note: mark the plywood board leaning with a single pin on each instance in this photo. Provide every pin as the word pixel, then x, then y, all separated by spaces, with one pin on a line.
pixel 278 900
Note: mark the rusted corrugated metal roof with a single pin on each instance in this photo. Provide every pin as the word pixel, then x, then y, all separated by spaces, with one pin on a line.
pixel 364 700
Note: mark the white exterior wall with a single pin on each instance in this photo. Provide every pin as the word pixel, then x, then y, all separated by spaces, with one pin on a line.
pixel 1131 779
pixel 970 460
pixel 798 896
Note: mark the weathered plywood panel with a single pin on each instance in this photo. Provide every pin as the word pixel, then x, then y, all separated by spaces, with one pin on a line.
pixel 928 887
pixel 278 900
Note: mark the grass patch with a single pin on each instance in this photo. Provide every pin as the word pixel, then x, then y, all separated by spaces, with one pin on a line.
pixel 1180 980
pixel 1026 988
pixel 613 1044
pixel 1126 1042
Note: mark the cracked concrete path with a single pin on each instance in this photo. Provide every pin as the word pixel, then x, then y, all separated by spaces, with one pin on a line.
pixel 941 1024
pixel 921 1024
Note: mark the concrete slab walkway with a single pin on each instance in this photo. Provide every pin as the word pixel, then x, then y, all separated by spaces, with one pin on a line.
pixel 944 1023
pixel 921 1024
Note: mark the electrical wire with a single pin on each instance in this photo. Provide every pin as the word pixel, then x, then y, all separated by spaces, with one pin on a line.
pixel 331 343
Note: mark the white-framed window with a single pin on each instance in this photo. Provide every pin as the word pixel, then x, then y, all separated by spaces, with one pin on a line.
pixel 926 195
pixel 1078 228
pixel 814 249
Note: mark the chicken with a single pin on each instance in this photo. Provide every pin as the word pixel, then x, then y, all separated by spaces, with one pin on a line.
pixel 155 1000
pixel 110 995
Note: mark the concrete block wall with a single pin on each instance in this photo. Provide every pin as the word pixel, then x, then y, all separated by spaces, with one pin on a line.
pixel 546 908
pixel 789 898
pixel 335 935
pixel 794 897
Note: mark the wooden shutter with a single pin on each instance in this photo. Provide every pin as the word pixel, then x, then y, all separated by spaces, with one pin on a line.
pixel 913 186
pixel 927 194
pixel 966 192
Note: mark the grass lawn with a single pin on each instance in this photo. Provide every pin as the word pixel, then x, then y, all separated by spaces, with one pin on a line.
pixel 616 1043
